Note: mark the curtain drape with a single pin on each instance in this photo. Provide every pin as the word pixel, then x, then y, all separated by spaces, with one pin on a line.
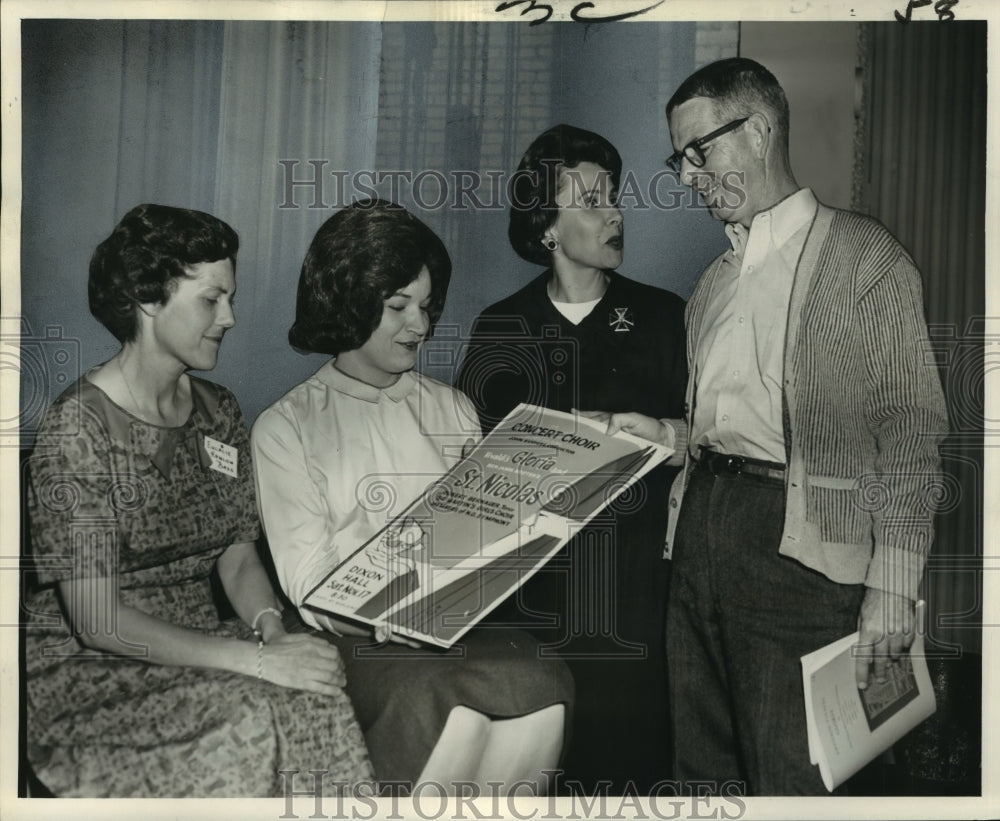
pixel 298 102
pixel 196 114
pixel 923 173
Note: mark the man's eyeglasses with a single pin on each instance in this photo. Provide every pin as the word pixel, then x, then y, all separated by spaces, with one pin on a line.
pixel 693 150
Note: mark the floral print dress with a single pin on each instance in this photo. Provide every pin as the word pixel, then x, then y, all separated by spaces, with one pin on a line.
pixel 113 497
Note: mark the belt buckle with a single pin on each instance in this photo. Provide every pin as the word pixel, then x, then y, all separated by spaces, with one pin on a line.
pixel 735 464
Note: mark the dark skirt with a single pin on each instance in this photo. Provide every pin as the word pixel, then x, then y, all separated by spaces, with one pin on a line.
pixel 402 696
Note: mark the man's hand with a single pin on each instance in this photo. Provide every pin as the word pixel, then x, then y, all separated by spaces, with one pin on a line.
pixel 887 628
pixel 645 427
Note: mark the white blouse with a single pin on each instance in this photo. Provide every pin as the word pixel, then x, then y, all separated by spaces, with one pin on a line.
pixel 336 459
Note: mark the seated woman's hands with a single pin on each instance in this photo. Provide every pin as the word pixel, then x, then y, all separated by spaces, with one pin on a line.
pixel 384 634
pixel 381 634
pixel 303 662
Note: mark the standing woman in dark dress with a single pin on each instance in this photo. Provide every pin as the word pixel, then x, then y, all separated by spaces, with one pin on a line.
pixel 582 336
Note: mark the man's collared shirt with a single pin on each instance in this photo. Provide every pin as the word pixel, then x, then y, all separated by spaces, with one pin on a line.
pixel 739 355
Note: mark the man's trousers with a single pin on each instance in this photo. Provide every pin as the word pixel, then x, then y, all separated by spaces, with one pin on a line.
pixel 739 618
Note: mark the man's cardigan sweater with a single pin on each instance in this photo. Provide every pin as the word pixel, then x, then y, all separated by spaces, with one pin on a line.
pixel 864 413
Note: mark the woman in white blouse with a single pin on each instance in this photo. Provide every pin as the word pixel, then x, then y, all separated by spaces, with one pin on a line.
pixel 340 454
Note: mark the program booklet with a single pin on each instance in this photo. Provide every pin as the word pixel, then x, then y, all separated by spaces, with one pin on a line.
pixel 849 727
pixel 481 530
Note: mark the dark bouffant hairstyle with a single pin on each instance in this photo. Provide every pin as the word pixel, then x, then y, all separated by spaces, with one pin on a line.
pixel 359 258
pixel 533 187
pixel 148 251
pixel 739 86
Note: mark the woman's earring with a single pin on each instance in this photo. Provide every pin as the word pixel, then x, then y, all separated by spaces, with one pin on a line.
pixel 550 243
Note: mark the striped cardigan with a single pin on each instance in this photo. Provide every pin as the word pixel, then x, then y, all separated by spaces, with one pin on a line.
pixel 864 413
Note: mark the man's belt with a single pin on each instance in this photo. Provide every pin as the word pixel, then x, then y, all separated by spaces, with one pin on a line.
pixel 720 463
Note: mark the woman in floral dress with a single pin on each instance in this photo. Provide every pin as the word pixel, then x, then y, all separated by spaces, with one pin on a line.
pixel 141 502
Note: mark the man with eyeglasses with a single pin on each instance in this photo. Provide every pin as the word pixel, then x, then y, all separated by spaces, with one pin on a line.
pixel 814 416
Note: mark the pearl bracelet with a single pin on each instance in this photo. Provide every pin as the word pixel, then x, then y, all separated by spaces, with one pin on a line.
pixel 260 659
pixel 256 618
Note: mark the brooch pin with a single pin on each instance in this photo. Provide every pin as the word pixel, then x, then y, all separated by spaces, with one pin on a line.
pixel 620 320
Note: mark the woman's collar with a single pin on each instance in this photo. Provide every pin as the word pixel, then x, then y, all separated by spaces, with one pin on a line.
pixel 342 383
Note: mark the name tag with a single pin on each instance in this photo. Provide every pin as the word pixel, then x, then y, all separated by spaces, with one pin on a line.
pixel 224 458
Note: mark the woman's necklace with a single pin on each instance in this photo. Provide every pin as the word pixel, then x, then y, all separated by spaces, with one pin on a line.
pixel 157 417
pixel 135 402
